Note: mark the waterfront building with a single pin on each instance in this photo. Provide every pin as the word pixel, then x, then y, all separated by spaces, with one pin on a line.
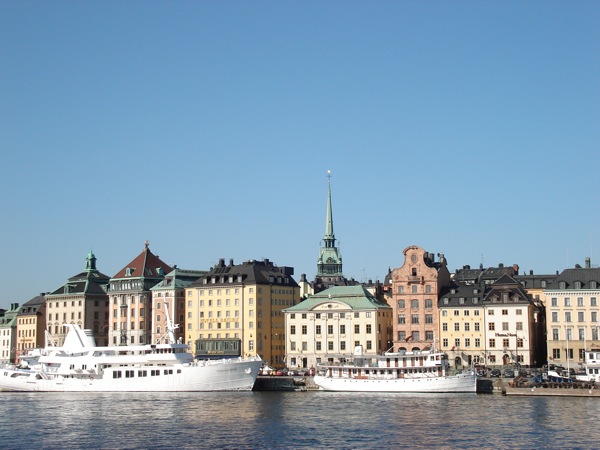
pixel 573 314
pixel 512 325
pixel 130 309
pixel 170 293
pixel 415 289
pixel 8 334
pixel 462 329
pixel 328 326
pixel 537 285
pixel 31 325
pixel 82 300
pixel 243 302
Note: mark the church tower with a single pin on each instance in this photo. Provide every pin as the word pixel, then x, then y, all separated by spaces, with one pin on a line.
pixel 329 264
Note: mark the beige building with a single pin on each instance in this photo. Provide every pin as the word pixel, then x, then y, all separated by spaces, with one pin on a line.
pixel 573 314
pixel 82 300
pixel 328 326
pixel 244 302
pixel 415 288
pixel 168 296
pixel 31 325
pixel 130 310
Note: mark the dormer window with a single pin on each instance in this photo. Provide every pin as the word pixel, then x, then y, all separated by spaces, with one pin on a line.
pixel 475 300
pixel 128 271
pixel 593 285
pixel 562 285
pixel 543 283
pixel 578 285
pixel 445 300
pixel 461 301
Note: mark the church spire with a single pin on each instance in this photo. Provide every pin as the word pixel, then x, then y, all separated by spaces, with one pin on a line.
pixel 330 260
pixel 329 236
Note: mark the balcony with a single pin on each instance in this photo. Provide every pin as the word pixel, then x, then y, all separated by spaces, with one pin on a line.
pixel 415 279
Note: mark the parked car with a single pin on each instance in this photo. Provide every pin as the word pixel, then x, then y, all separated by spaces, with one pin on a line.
pixel 495 373
pixel 509 373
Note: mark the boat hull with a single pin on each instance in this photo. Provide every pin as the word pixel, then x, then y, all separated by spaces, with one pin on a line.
pixel 464 382
pixel 224 375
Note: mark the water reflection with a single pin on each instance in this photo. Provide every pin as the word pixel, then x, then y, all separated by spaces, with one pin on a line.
pixel 293 420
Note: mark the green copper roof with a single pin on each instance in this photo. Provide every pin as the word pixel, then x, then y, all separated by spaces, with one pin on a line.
pixel 355 297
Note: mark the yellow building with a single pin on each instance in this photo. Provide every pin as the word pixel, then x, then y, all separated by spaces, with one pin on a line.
pixel 242 302
pixel 31 324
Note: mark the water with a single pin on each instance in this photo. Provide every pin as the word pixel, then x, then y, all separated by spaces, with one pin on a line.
pixel 295 420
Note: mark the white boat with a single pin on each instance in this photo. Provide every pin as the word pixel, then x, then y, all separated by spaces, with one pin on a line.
pixel 79 366
pixel 417 371
pixel 591 367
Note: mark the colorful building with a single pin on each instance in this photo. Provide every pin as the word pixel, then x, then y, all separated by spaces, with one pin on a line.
pixel 31 325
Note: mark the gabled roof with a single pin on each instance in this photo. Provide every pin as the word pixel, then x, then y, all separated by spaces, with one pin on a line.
pixel 355 297
pixel 32 306
pixel 144 265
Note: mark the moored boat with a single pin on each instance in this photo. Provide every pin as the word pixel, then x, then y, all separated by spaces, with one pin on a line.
pixel 80 366
pixel 416 371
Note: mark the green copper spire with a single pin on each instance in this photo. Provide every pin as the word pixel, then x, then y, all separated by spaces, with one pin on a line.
pixel 330 258
pixel 329 236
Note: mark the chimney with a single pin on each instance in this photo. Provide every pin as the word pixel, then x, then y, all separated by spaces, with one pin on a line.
pixel 221 262
pixel 588 263
pixel 531 272
pixel 231 262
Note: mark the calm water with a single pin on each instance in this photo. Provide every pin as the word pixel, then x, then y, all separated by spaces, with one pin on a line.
pixel 295 419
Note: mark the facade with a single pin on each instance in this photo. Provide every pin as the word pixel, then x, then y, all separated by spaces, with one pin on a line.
pixel 31 325
pixel 130 308
pixel 415 288
pixel 328 326
pixel 462 326
pixel 170 294
pixel 81 300
pixel 245 302
pixel 513 325
pixel 8 334
pixel 573 314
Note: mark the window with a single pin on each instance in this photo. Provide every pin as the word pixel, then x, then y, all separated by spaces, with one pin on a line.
pixel 580 316
pixel 414 288
pixel 304 329
pixel 477 342
pixel 520 342
pixel 593 301
pixel 490 312
pixel 342 329
pixel 400 290
pixel 342 345
pixel 445 313
pixel 414 304
pixel 581 334
pixel 414 318
pixel 329 329
pixel 467 342
pixel 555 334
pixel 444 326
pixel 466 312
pixel 504 326
pixel 400 304
pixel 505 312
pixel 369 345
pixel 416 336
pixel 556 353
pixel 519 326
pixel 554 316
pixel 429 335
pixel 505 343
pixel 329 345
pixel 456 312
pixel 445 342
pixel 491 326
pixel 579 301
pixel 492 343
pixel 467 326
pixel 401 319
pixel 293 329
pixel 368 328
pixel 356 328
pixel 457 342
pixel 519 312
pixel 401 335
pixel 428 318
pixel 567 316
pixel 428 288
pixel 567 301
pixel 456 326
pixel 318 346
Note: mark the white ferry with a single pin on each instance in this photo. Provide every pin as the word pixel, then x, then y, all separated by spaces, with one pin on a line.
pixel 416 371
pixel 79 366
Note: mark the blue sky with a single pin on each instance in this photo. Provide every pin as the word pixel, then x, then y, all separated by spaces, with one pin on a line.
pixel 469 128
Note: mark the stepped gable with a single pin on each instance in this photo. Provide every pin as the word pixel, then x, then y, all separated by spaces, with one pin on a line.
pixel 145 265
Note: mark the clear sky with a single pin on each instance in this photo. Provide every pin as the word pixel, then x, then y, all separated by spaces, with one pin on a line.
pixel 469 128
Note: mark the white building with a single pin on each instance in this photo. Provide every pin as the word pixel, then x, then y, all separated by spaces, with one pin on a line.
pixel 329 325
